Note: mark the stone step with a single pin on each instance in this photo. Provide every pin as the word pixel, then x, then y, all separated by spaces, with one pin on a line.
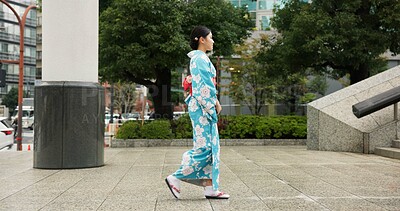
pixel 396 143
pixel 389 152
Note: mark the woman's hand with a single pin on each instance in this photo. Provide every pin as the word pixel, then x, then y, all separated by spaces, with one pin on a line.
pixel 218 107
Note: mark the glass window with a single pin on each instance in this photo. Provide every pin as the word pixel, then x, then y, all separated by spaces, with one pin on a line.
pixel 262 5
pixel 11 28
pixel 280 3
pixel 235 3
pixel 39 21
pixel 249 4
pixel 30 52
pixel 3 90
pixel 33 72
pixel 265 22
pixel 38 55
pixel 32 14
pixel 4 47
pixel 29 32
pixel 29 71
pixel 268 4
pixel 15 69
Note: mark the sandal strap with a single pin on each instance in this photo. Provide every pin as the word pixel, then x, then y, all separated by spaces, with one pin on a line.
pixel 220 194
pixel 176 189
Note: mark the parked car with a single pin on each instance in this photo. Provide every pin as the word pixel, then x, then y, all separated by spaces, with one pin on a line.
pixel 116 118
pixel 28 122
pixel 6 134
pixel 178 114
pixel 131 116
pixel 27 116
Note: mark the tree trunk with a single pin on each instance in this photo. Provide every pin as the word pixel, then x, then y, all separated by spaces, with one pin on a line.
pixel 161 93
pixel 357 75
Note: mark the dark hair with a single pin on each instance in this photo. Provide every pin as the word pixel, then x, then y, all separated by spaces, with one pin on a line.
pixel 197 32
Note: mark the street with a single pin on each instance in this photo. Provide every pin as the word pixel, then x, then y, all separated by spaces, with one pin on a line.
pixel 27 136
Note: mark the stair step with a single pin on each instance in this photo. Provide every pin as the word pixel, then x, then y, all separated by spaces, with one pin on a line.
pixel 389 152
pixel 396 143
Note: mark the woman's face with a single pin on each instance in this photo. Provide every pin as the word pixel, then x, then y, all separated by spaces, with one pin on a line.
pixel 208 42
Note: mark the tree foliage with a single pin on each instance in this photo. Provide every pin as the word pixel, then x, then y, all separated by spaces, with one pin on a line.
pixel 255 82
pixel 250 83
pixel 228 24
pixel 10 100
pixel 143 41
pixel 104 4
pixel 140 38
pixel 335 37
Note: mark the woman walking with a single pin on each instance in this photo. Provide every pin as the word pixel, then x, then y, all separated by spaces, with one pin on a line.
pixel 200 165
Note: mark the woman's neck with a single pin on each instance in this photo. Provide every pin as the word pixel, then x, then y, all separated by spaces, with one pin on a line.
pixel 202 48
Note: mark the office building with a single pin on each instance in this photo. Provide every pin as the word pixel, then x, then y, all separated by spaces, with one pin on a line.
pixel 10 44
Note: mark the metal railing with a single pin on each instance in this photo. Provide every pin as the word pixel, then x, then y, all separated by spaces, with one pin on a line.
pixel 378 102
pixel 11 17
pixel 15 38
pixel 27 59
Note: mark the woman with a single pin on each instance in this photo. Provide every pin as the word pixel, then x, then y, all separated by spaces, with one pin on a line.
pixel 200 166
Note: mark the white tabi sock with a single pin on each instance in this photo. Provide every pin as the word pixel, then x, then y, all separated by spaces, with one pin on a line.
pixel 208 190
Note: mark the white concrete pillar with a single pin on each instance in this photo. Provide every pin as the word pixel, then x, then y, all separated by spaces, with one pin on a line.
pixel 69 103
pixel 70 40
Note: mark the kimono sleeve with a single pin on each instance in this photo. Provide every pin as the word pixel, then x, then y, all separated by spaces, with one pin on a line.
pixel 203 89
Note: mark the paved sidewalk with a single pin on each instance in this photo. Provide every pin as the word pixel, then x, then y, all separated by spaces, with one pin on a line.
pixel 256 177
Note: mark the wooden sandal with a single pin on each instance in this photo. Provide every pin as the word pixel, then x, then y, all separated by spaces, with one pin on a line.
pixel 174 190
pixel 220 195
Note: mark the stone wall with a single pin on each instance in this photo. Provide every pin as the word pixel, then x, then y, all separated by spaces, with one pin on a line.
pixel 332 126
pixel 125 143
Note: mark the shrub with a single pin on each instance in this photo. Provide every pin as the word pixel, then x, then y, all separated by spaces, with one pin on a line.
pixel 239 126
pixel 129 130
pixel 157 129
pixel 261 127
pixel 182 127
pixel 230 127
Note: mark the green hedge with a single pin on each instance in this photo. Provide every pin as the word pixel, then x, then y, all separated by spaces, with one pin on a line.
pixel 230 127
pixel 182 127
pixel 129 130
pixel 261 127
pixel 159 129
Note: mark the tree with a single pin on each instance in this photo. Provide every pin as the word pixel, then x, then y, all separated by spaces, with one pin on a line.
pixel 291 87
pixel 228 24
pixel 335 37
pixel 104 4
pixel 250 83
pixel 177 96
pixel 125 97
pixel 10 100
pixel 143 41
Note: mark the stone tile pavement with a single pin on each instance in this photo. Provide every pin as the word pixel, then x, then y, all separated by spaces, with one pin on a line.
pixel 256 177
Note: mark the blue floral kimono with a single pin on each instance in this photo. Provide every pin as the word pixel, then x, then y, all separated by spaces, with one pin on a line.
pixel 202 162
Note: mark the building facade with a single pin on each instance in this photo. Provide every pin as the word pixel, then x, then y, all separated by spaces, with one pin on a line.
pixel 10 46
pixel 261 11
pixel 39 48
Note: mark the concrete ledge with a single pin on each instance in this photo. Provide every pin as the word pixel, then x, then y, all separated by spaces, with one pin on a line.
pixel 332 126
pixel 388 152
pixel 396 144
pixel 127 143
